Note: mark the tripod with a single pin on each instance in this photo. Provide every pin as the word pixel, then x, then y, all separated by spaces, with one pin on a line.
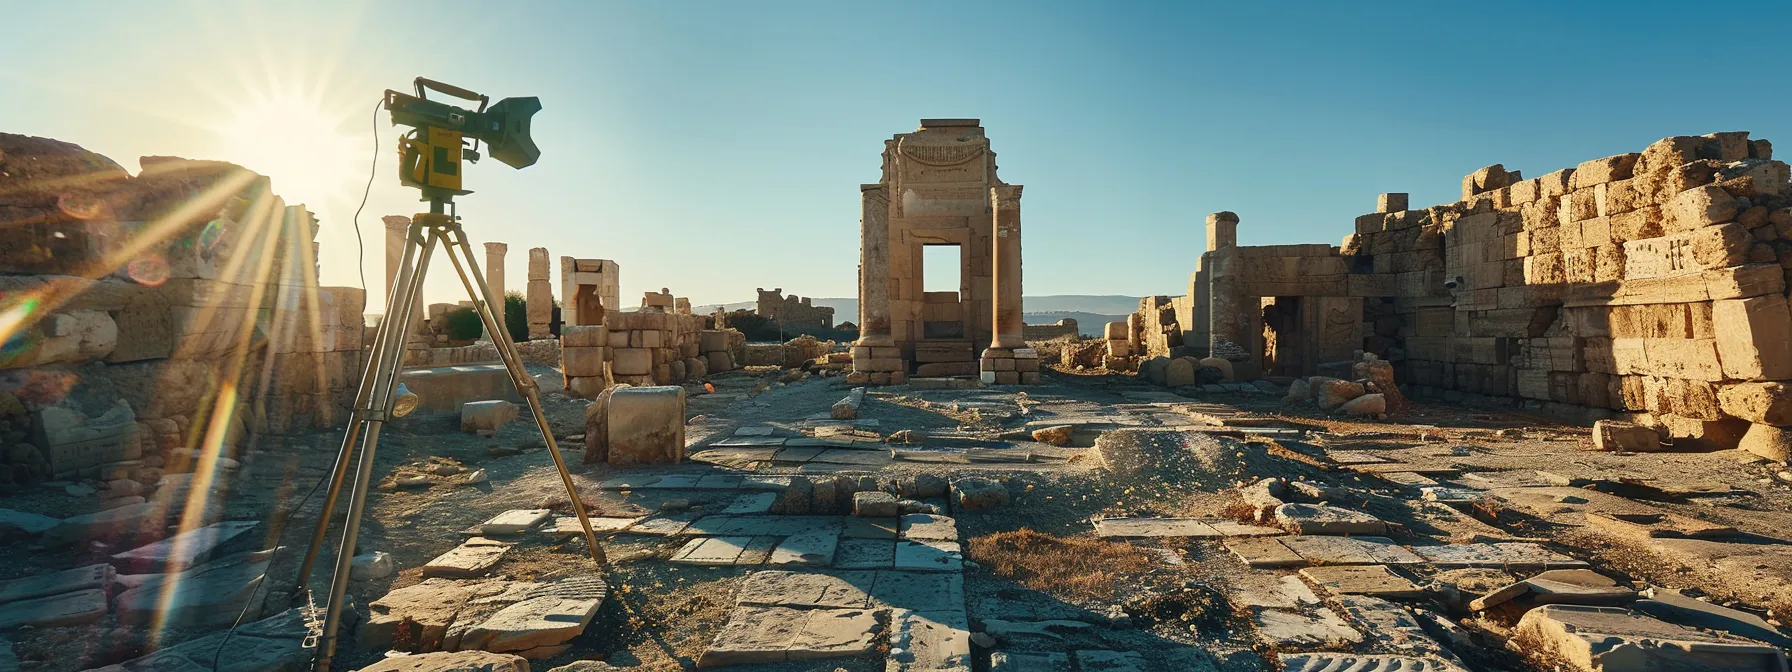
pixel 374 400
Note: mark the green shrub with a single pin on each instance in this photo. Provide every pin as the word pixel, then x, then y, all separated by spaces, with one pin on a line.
pixel 464 325
pixel 516 316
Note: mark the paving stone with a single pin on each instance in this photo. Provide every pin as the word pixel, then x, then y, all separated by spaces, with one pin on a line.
pixel 455 661
pixel 531 623
pixel 1233 528
pixel 273 643
pixel 865 554
pixel 90 577
pixel 1319 519
pixel 751 504
pixel 29 524
pixel 874 504
pixel 651 482
pixel 755 635
pixel 1374 580
pixel 931 641
pixel 472 558
pixel 856 527
pixel 771 483
pixel 1009 631
pixel 662 525
pixel 917 526
pixel 1391 627
pixel 866 458
pixel 929 556
pixel 1286 630
pixel 1264 553
pixel 757 551
pixel 1449 495
pixel 1363 662
pixel 1509 555
pixel 1137 528
pixel 842 590
pixel 185 549
pixel 1028 661
pixel 1102 660
pixel 1558 586
pixel 712 551
pixel 767 525
pixel 808 548
pixel 1321 550
pixel 719 482
pixel 210 595
pixel 1408 479
pixel 76 608
pixel 564 525
pixel 1675 607
pixel 1258 591
pixel 1613 639
pixel 1663 525
pixel 429 606
pixel 516 521
pixel 836 633
pixel 1354 457
pixel 749 441
pixel 759 430
pixel 918 591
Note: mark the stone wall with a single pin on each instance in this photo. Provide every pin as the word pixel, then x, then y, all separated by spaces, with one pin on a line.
pixel 647 347
pixel 793 312
pixel 1066 327
pixel 142 301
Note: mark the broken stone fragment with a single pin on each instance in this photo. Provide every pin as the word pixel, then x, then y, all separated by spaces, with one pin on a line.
pixel 1558 586
pixel 1773 443
pixel 1319 519
pixel 1615 435
pixel 370 566
pixel 452 661
pixel 1057 435
pixel 1330 393
pixel 874 504
pixel 1600 639
pixel 486 416
pixel 976 494
pixel 1366 405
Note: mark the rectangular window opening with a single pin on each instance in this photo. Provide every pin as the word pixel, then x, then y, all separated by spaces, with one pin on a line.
pixel 940 268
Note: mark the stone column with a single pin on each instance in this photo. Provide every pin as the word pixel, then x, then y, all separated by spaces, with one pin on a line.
pixel 874 266
pixel 1226 309
pixel 541 295
pixel 494 277
pixel 397 227
pixel 1009 323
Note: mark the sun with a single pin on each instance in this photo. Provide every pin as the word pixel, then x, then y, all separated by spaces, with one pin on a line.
pixel 300 143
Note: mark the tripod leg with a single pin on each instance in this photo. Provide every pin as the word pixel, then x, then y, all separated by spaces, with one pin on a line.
pixel 387 340
pixel 525 384
pixel 375 414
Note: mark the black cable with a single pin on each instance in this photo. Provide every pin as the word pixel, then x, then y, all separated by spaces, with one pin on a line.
pixel 361 257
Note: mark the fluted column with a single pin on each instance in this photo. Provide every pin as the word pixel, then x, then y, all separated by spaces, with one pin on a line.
pixel 1009 323
pixel 494 277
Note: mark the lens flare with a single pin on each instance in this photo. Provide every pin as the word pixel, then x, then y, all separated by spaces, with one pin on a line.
pixel 81 206
pixel 150 270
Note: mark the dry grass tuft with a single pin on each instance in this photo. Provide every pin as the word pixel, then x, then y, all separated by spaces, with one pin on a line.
pixel 1082 567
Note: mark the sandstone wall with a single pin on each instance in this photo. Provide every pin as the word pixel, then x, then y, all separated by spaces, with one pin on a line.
pixel 145 300
pixel 794 312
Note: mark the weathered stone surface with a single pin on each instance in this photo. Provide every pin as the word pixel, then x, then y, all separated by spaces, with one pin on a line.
pixel 646 426
pixel 1363 662
pixel 928 526
pixel 1773 443
pixel 1286 630
pixel 1675 607
pixel 455 661
pixel 125 521
pixel 472 558
pixel 1768 403
pixel 1102 660
pixel 712 550
pixel 486 416
pixel 1611 639
pixel 812 548
pixel 370 566
pixel 1319 519
pixel 515 521
pixel 1179 372
pixel 1508 555
pixel 430 607
pixel 1754 337
pixel 1057 435
pixel 531 623
pixel 1366 405
pixel 976 494
pixel 209 595
pixel 918 591
pixel 835 633
pixel 91 577
pixel 929 641
pixel 1330 393
pixel 1332 550
pixel 1028 661
pixel 865 554
pixel 1298 391
pixel 1616 435
pixel 1373 580
pixel 1663 524
pixel 20 523
pixel 1558 586
pixel 83 606
pixel 848 408
pixel 928 556
pixel 1264 553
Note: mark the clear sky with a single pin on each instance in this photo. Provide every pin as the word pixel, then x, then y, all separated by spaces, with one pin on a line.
pixel 715 147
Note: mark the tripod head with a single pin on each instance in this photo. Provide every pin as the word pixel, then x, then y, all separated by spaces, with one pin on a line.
pixel 430 156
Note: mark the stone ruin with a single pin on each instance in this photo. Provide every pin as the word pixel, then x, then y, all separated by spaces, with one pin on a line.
pixel 136 303
pixel 590 288
pixel 1648 287
pixel 793 312
pixel 939 187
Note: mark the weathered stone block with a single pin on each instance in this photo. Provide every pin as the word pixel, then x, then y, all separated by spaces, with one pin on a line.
pixel 1767 403
pixel 646 425
pixel 632 361
pixel 1699 207
pixel 1754 337
pixel 1769 441
pixel 582 362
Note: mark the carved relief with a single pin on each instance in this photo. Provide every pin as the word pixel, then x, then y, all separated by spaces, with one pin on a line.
pixel 1660 257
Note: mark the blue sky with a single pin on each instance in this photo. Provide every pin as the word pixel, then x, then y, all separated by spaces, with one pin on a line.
pixel 715 147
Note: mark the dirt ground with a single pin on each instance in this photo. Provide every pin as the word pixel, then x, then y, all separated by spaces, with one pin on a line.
pixel 1030 559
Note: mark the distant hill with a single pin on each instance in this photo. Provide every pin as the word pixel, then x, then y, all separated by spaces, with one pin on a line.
pixel 1090 311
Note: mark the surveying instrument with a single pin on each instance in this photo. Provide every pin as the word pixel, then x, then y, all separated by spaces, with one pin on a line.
pixel 431 156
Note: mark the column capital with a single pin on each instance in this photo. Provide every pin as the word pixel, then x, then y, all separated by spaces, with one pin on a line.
pixel 1005 196
pixel 497 248
pixel 396 222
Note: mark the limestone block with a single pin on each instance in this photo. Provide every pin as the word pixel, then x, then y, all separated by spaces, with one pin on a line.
pixel 1614 639
pixel 618 338
pixel 584 336
pixel 1754 337
pixel 1698 207
pixel 578 362
pixel 1601 171
pixel 1771 442
pixel 1614 435
pixel 1702 435
pixel 1330 393
pixel 1766 403
pixel 452 661
pixel 719 361
pixel 1366 405
pixel 1390 202
pixel 714 340
pixel 696 368
pixel 632 362
pixel 486 416
pixel 1690 358
pixel 1179 372
pixel 646 425
pixel 1224 366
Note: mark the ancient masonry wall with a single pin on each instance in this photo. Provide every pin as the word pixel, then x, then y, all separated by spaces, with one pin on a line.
pixel 646 347
pixel 794 312
pixel 152 307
